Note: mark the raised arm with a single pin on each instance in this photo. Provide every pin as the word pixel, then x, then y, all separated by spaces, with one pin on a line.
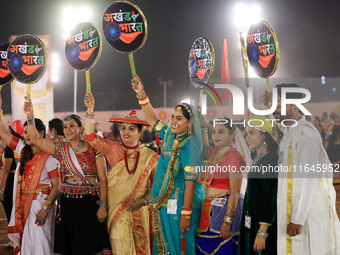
pixel 6 137
pixel 33 134
pixel 89 123
pixel 148 111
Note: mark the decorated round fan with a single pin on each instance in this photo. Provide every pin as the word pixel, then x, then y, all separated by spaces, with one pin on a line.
pixel 83 48
pixel 201 65
pixel 5 75
pixel 262 49
pixel 27 60
pixel 125 29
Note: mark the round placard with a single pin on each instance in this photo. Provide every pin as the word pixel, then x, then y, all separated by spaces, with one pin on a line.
pixel 124 26
pixel 262 49
pixel 83 47
pixel 27 58
pixel 201 62
pixel 5 75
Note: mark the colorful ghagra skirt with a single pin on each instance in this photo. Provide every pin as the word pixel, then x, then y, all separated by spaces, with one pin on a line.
pixel 77 229
pixel 213 212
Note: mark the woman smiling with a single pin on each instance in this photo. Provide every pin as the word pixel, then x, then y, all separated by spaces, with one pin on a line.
pixel 79 213
pixel 129 182
pixel 258 227
pixel 176 197
pixel 222 208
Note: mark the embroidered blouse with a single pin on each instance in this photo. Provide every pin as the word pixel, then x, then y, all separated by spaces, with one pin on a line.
pixel 86 159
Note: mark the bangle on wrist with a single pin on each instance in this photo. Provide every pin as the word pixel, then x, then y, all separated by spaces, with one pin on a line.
pixel 102 203
pixel 146 200
pixel 47 205
pixel 89 115
pixel 228 220
pixel 143 101
pixel 30 121
pixel 204 130
pixel 262 234
pixel 187 209
pixel 1 115
pixel 143 96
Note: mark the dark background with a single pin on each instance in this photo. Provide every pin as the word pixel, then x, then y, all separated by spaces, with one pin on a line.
pixel 308 34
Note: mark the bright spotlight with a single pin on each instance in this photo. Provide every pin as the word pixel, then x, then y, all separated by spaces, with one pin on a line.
pixel 186 100
pixel 246 15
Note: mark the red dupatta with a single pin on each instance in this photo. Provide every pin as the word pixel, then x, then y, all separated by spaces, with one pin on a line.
pixel 25 192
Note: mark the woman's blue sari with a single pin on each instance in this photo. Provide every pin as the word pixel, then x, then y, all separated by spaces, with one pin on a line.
pixel 172 171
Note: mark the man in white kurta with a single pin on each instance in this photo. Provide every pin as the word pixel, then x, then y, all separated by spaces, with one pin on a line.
pixel 306 213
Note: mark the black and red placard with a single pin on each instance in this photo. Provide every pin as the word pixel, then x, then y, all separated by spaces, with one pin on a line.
pixel 84 46
pixel 262 49
pixel 5 75
pixel 27 58
pixel 124 26
pixel 201 62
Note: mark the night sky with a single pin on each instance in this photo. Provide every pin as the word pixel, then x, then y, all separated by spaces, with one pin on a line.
pixel 307 31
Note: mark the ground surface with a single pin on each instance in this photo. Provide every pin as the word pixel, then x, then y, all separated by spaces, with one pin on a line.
pixel 3 225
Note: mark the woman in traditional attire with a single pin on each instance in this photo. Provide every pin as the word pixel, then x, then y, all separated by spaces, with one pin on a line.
pixel 222 209
pixel 129 182
pixel 258 225
pixel 36 186
pixel 80 225
pixel 176 197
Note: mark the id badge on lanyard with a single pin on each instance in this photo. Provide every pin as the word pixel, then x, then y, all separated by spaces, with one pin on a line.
pixel 172 206
pixel 247 221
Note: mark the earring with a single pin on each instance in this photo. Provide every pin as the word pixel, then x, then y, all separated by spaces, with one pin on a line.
pixel 264 146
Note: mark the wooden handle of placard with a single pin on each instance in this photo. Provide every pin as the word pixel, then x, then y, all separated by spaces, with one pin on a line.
pixel 268 89
pixel 28 92
pixel 245 61
pixel 88 82
pixel 132 66
pixel 201 97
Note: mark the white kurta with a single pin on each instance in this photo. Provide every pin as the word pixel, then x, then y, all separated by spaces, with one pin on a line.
pixel 311 202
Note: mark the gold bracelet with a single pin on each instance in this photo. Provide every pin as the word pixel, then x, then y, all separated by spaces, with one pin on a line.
pixel 47 205
pixel 186 213
pixel 1 115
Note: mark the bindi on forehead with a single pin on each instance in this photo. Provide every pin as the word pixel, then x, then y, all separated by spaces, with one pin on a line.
pixel 70 122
